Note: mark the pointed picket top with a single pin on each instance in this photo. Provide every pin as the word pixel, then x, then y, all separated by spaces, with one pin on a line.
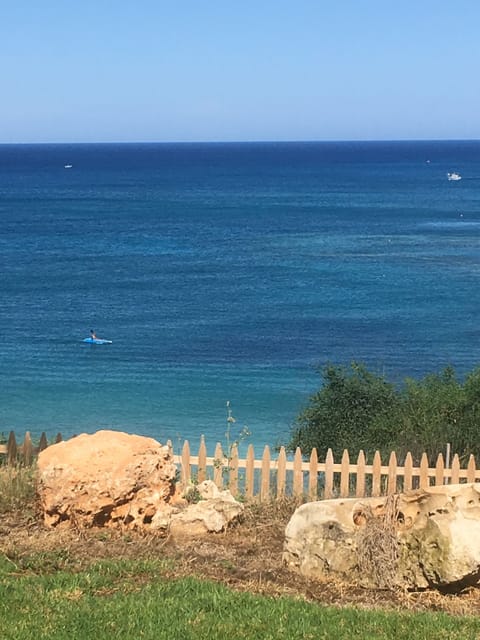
pixel 43 443
pixel 376 474
pixel 471 469
pixel 392 474
pixel 455 477
pixel 360 484
pixel 329 462
pixel 345 475
pixel 408 472
pixel 185 467
pixel 11 449
pixel 27 449
pixel 424 479
pixel 439 470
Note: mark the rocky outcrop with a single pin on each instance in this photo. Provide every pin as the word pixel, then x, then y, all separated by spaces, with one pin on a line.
pixel 420 539
pixel 114 479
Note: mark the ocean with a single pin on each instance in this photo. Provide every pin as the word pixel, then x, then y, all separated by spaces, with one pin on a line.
pixel 227 273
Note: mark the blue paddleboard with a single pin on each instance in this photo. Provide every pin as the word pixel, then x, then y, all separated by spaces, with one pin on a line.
pixel 96 341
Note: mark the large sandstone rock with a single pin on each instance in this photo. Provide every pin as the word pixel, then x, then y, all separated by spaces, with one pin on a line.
pixel 111 479
pixel 420 539
pixel 105 479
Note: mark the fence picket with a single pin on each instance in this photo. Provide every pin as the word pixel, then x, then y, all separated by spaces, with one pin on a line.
pixel 313 475
pixel 392 474
pixel 218 466
pixel 439 470
pixel 471 469
pixel 328 491
pixel 250 472
pixel 297 473
pixel 408 472
pixel 281 473
pixel 424 479
pixel 345 475
pixel 265 482
pixel 376 474
pixel 43 443
pixel 455 477
pixel 202 461
pixel 11 449
pixel 185 472
pixel 27 449
pixel 360 484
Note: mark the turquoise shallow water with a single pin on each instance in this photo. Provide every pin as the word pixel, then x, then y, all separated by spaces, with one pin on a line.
pixel 227 272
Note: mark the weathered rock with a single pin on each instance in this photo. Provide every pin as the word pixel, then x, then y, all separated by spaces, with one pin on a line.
pixel 431 537
pixel 214 512
pixel 113 479
pixel 105 479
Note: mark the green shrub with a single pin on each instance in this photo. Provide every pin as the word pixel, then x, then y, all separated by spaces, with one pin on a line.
pixel 357 409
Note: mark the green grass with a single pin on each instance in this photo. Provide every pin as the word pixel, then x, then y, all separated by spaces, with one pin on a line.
pixel 131 600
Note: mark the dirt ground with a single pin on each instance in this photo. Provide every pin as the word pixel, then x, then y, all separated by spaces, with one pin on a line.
pixel 246 557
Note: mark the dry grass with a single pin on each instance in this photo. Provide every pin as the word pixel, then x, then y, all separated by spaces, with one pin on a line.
pixel 247 557
pixel 377 545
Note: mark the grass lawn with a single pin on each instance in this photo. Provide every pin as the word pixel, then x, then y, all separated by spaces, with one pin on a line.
pixel 139 599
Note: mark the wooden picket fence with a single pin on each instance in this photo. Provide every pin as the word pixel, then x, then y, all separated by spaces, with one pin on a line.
pixel 12 452
pixel 276 478
pixel 269 478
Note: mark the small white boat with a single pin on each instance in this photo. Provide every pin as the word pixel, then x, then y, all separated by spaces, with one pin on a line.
pixel 68 166
pixel 454 176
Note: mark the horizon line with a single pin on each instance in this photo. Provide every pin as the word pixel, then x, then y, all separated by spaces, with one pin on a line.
pixel 239 142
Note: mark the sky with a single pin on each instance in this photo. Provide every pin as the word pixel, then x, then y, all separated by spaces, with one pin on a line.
pixel 238 70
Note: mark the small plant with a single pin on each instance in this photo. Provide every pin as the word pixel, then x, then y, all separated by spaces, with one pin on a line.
pixel 230 443
pixel 191 493
pixel 242 435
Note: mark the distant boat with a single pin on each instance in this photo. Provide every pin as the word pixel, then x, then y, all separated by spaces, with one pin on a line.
pixel 68 166
pixel 454 176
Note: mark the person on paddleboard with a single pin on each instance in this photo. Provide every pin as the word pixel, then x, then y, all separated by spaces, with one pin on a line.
pixel 93 335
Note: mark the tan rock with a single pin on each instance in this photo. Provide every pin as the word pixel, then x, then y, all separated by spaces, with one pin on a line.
pixel 214 512
pixel 427 538
pixel 105 479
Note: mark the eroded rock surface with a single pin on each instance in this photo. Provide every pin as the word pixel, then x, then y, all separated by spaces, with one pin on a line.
pixel 214 511
pixel 103 479
pixel 435 532
pixel 114 479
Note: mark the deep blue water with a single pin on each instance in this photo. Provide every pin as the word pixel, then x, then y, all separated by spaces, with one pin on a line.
pixel 227 272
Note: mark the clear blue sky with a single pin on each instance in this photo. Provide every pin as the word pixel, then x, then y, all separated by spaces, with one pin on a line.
pixel 213 70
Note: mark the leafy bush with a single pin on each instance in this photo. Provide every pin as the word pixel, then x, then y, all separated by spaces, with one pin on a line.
pixel 341 414
pixel 357 409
